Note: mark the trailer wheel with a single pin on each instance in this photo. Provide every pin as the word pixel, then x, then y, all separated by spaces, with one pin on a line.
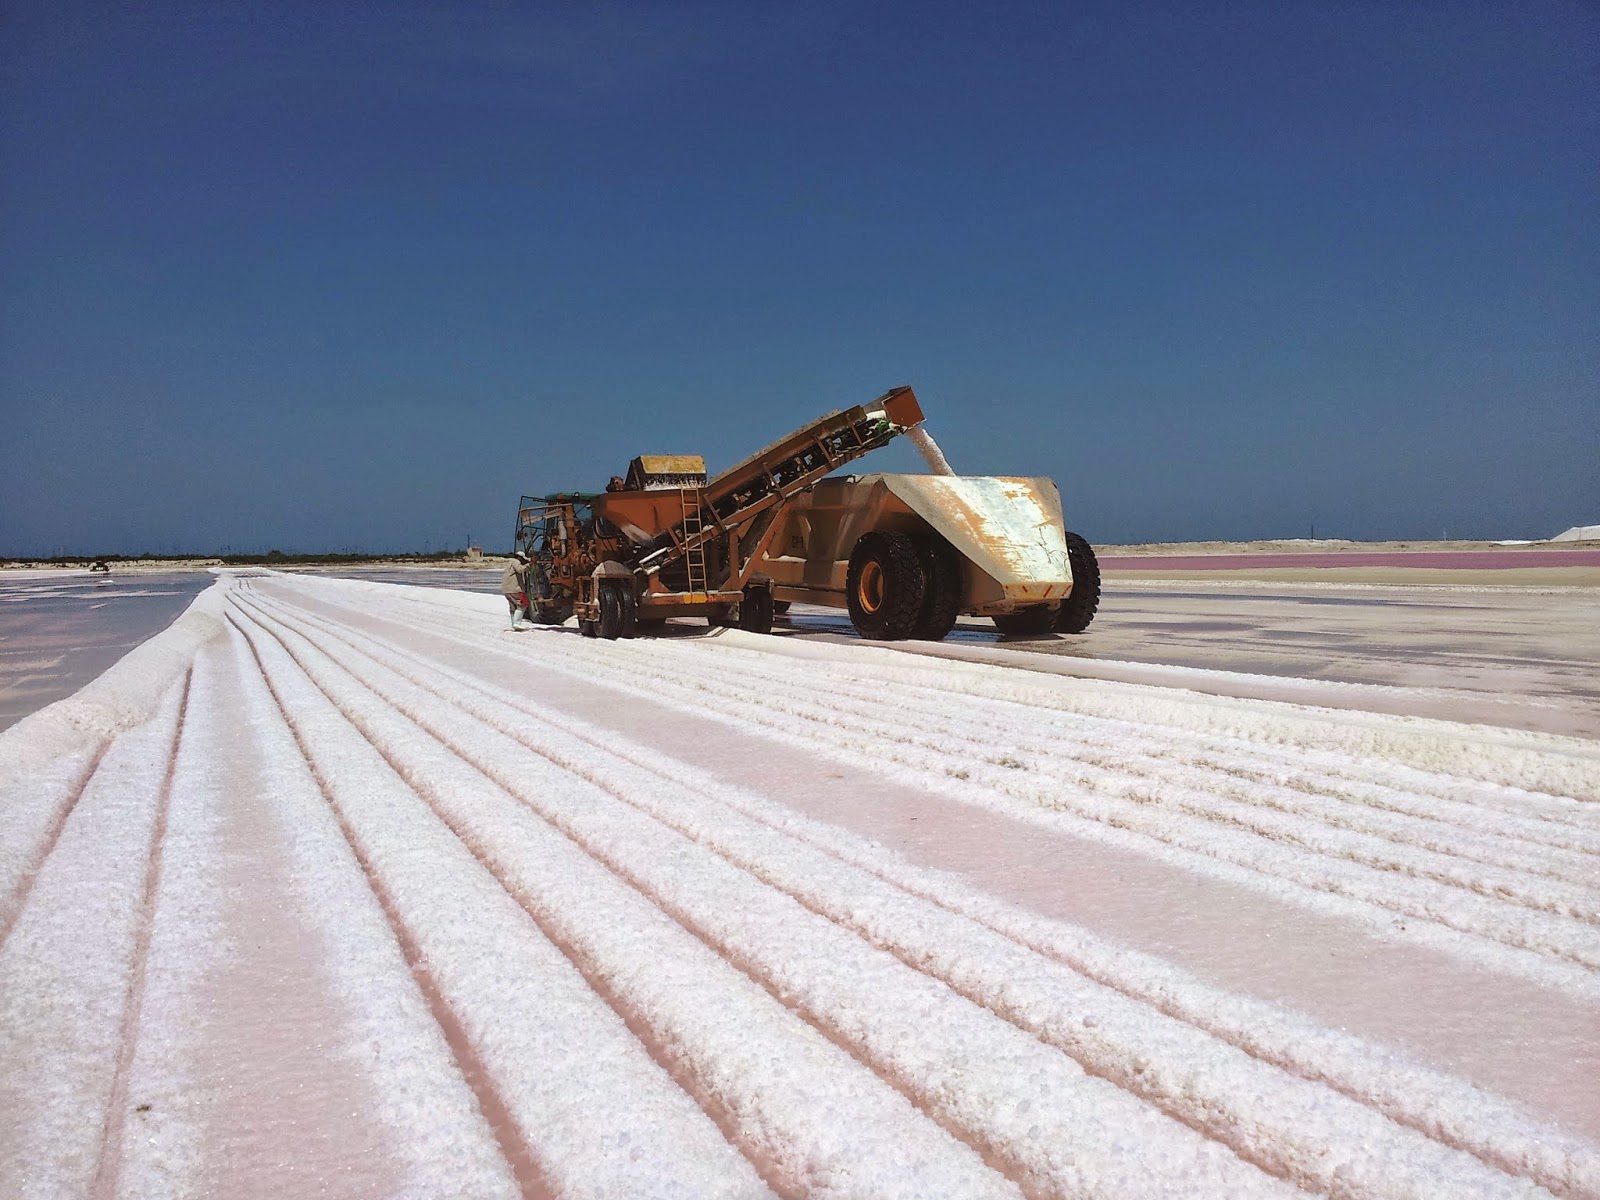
pixel 942 592
pixel 885 586
pixel 755 610
pixel 1078 609
pixel 616 612
pixel 1027 621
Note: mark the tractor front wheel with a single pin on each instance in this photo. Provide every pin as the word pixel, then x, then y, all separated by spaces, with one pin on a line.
pixel 755 610
pixel 885 586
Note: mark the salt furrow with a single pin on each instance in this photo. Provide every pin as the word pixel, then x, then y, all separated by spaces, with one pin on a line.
pixel 1459 830
pixel 35 808
pixel 809 1114
pixel 1440 1104
pixel 72 965
pixel 1544 763
pixel 1066 698
pixel 540 1032
pixel 954 1055
pixel 1320 1138
pixel 153 1143
pixel 442 1144
pixel 1088 797
pixel 1128 769
pixel 1543 947
pixel 231 1090
pixel 1569 823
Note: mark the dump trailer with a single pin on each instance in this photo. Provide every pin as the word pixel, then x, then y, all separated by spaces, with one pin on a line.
pixel 904 553
pixel 908 554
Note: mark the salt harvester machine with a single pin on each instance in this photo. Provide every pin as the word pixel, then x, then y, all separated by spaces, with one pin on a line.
pixel 905 554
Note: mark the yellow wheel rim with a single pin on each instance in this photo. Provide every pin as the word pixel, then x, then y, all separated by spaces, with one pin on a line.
pixel 869 588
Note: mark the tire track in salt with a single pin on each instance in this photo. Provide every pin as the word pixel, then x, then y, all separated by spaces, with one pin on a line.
pixel 907 1155
pixel 517 731
pixel 1009 1050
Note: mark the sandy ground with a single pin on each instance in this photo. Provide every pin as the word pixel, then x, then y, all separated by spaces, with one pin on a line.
pixel 340 888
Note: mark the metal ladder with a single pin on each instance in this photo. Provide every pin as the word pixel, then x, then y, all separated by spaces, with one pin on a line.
pixel 694 557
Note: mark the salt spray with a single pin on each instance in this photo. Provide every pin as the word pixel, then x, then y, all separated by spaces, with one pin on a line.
pixel 930 450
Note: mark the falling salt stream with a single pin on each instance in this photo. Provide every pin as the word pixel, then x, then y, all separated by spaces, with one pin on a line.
pixel 937 462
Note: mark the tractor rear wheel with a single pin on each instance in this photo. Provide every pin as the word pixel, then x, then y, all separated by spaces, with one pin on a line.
pixel 1078 609
pixel 755 610
pixel 885 586
pixel 616 611
pixel 942 590
pixel 1025 622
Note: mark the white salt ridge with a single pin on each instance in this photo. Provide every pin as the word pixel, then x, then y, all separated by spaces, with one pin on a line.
pixel 542 1034
pixel 160 1140
pixel 1076 1067
pixel 1322 1139
pixel 1122 761
pixel 70 966
pixel 444 1144
pixel 1485 928
pixel 797 1104
pixel 954 1056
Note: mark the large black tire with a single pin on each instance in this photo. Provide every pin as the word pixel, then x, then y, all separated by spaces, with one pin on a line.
pixel 1027 621
pixel 616 611
pixel 942 588
pixel 755 610
pixel 1078 609
pixel 885 586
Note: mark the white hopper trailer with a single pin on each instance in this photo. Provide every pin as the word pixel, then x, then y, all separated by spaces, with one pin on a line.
pixel 907 554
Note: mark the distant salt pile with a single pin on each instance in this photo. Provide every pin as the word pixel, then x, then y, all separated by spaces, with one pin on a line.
pixel 937 463
pixel 1578 533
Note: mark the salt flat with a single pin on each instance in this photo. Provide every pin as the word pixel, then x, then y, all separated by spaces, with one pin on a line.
pixel 340 887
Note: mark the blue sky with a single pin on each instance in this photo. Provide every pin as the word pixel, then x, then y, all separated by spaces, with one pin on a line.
pixel 318 277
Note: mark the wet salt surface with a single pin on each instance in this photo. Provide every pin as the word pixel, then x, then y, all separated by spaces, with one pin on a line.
pixel 1524 657
pixel 60 629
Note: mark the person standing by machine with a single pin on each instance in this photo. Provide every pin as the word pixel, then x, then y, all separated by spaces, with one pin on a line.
pixel 514 587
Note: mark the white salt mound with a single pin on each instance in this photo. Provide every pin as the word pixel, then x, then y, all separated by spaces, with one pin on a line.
pixel 1579 533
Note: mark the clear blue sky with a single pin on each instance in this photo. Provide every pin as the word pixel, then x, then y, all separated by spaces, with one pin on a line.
pixel 325 276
